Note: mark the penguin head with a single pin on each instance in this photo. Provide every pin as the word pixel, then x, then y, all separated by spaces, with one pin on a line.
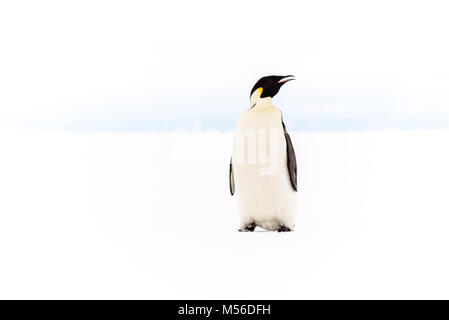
pixel 268 87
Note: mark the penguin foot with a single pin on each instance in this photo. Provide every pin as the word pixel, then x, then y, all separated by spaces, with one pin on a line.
pixel 283 228
pixel 248 228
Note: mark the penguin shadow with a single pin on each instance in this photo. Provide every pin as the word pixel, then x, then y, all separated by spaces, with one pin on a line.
pixel 253 228
pixel 260 230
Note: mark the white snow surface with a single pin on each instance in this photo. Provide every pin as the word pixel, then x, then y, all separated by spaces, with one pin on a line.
pixel 135 216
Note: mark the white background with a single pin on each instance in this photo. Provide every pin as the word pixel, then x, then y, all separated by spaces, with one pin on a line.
pixel 146 66
pixel 135 216
pixel 100 196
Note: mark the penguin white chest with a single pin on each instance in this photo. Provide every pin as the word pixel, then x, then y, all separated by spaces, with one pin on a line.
pixel 262 184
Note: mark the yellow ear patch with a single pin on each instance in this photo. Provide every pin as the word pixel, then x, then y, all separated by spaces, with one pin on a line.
pixel 260 90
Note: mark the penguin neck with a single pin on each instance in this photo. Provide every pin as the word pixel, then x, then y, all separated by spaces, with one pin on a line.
pixel 263 103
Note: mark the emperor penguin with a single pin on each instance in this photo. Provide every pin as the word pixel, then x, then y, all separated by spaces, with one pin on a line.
pixel 263 172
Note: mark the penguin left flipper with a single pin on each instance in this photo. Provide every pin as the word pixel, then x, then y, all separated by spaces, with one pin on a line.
pixel 291 160
pixel 231 179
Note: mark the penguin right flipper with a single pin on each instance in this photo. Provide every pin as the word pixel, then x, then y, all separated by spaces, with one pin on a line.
pixel 231 179
pixel 291 160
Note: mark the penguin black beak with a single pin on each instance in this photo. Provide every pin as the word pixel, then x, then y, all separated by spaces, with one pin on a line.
pixel 286 79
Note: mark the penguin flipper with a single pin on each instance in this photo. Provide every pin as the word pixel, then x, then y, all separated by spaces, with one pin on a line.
pixel 291 160
pixel 231 179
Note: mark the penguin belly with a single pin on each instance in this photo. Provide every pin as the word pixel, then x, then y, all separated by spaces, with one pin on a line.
pixel 263 190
